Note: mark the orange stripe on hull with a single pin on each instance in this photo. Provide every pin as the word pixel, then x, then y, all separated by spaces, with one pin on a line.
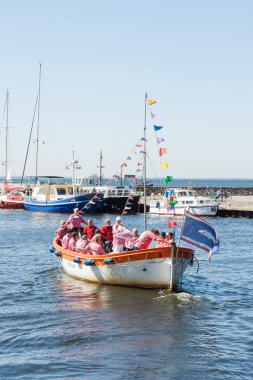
pixel 124 257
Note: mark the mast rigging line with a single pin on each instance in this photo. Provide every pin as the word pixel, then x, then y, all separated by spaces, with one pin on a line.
pixel 30 136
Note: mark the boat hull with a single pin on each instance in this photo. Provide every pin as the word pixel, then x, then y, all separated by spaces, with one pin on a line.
pixel 116 205
pixel 62 206
pixel 150 268
pixel 180 211
pixel 11 204
pixel 11 201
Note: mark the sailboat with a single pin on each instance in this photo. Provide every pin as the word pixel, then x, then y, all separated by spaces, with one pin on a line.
pixel 51 193
pixel 144 268
pixel 13 194
pixel 115 198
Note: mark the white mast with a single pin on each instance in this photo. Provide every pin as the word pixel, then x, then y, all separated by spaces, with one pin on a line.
pixel 7 162
pixel 38 127
pixel 100 168
pixel 73 172
pixel 144 164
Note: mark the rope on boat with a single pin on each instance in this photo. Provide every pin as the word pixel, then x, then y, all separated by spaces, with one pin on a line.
pixel 140 264
pixel 158 262
pixel 197 263
pixel 122 265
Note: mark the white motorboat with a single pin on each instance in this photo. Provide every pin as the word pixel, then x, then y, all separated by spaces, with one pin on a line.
pixel 175 201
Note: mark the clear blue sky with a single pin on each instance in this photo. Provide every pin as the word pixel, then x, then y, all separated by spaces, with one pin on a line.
pixel 194 57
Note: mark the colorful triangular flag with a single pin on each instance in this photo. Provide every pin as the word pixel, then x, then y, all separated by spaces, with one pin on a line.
pixel 157 127
pixel 159 140
pixel 151 101
pixel 164 165
pixel 162 151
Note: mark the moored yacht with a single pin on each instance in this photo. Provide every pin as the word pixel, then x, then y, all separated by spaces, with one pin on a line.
pixel 175 201
pixel 115 198
pixel 51 194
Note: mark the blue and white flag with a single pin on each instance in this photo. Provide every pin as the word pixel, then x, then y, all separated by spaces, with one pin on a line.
pixel 198 232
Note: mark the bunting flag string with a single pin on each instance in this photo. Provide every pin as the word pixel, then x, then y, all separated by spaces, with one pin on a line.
pixel 162 151
pixel 157 127
pixel 159 140
pixel 128 206
pixel 135 155
pixel 164 165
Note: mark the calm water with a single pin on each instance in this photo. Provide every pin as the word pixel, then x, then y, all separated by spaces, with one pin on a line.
pixel 55 327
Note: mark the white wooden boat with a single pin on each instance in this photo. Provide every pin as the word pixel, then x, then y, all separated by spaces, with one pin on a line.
pixel 146 268
pixel 176 201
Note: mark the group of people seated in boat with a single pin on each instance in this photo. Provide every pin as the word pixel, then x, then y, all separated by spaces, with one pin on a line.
pixel 107 239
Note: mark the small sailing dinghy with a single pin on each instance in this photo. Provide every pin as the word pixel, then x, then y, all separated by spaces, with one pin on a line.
pixel 161 267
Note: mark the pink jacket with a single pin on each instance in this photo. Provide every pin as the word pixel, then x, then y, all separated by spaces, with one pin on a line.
pixel 120 234
pixel 81 244
pixel 75 221
pixel 65 241
pixel 72 244
pixel 130 242
pixel 94 248
pixel 61 232
pixel 145 239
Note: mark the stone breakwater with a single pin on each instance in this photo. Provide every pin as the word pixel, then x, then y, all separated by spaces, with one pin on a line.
pixel 242 191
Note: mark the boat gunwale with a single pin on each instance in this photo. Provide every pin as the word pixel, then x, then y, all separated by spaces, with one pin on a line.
pixel 123 257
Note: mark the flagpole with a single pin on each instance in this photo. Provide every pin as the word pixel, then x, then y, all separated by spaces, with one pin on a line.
pixel 180 233
pixel 145 160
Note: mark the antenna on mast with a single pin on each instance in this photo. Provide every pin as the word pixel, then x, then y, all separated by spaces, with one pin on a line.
pixel 100 166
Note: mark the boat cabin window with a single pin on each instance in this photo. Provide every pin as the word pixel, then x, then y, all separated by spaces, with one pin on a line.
pixel 182 194
pixel 120 192
pixel 41 191
pixel 61 191
pixel 192 194
pixel 70 190
pixel 52 190
pixel 111 192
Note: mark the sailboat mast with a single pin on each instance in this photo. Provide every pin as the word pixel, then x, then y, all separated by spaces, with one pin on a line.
pixel 73 172
pixel 38 127
pixel 144 164
pixel 100 168
pixel 7 136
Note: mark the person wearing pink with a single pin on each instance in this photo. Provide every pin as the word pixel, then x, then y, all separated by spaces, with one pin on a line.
pixel 169 238
pixel 82 243
pixel 75 220
pixel 146 238
pixel 61 232
pixel 73 240
pixel 118 238
pixel 162 242
pixel 66 238
pixel 131 240
pixel 94 247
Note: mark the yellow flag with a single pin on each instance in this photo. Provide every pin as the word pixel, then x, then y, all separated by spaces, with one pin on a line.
pixel 164 165
pixel 150 102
